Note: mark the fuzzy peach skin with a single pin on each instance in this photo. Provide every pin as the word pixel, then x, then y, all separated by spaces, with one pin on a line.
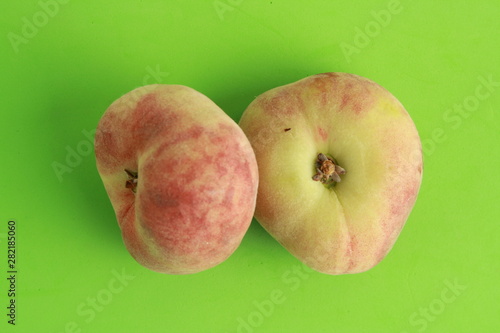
pixel 350 227
pixel 196 183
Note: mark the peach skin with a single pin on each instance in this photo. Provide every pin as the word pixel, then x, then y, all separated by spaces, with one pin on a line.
pixel 181 176
pixel 340 167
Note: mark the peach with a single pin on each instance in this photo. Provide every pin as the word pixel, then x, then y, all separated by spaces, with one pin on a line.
pixel 181 176
pixel 340 167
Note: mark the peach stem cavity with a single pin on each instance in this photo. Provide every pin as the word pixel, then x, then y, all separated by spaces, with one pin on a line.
pixel 131 182
pixel 327 170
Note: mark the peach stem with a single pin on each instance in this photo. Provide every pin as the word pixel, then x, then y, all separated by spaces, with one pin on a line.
pixel 327 170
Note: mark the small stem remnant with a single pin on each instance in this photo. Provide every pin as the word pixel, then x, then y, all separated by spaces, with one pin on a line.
pixel 327 170
pixel 131 182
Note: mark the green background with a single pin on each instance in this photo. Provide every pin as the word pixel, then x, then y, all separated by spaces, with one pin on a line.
pixel 64 62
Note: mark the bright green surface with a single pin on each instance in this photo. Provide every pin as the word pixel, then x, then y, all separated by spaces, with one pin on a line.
pixel 59 75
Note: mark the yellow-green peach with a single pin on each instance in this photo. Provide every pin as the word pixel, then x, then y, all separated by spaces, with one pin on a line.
pixel 340 167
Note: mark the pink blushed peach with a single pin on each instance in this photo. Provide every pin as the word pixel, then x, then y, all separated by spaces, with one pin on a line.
pixel 181 176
